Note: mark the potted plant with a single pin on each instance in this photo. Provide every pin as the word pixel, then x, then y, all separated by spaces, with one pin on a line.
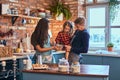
pixel 110 46
pixel 58 8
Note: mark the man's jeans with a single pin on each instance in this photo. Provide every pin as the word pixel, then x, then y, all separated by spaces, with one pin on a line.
pixel 73 57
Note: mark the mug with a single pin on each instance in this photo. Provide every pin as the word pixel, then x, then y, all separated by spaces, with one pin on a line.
pixel 23 21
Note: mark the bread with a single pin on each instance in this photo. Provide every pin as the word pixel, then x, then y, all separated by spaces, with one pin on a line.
pixel 5 51
pixel 39 66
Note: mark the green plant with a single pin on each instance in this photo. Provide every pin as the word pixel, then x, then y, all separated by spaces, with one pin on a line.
pixel 110 44
pixel 113 9
pixel 57 7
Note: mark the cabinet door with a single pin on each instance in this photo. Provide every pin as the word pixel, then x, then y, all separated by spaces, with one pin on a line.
pixel 114 63
pixel 91 59
pixel 43 76
pixel 9 67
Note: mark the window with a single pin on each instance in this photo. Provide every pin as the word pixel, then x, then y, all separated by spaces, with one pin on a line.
pixel 102 0
pixel 89 1
pixel 97 39
pixel 96 22
pixel 97 16
pixel 115 31
pixel 99 26
pixel 98 1
pixel 116 21
pixel 115 37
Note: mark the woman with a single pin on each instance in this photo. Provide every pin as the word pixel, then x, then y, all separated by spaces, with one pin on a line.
pixel 79 42
pixel 40 40
pixel 64 36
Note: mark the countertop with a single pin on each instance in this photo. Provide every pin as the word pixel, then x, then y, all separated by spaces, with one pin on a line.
pixel 103 53
pixel 85 70
pixel 10 58
pixel 95 53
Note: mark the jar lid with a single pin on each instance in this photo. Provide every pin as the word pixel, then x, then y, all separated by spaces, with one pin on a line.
pixel 75 63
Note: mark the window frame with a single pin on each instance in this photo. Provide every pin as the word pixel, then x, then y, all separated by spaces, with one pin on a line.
pixel 107 24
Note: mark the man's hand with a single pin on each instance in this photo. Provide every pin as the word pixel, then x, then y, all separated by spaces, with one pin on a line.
pixel 67 48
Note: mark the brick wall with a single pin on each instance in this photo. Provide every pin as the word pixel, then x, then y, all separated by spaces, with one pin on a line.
pixel 56 26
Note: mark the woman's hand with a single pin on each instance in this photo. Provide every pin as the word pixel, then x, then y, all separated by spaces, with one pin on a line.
pixel 52 42
pixel 54 47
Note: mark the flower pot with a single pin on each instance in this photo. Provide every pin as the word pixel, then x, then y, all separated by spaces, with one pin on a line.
pixel 110 49
pixel 60 17
pixel 42 14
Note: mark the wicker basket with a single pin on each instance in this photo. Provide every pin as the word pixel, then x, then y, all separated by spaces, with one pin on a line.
pixel 6 52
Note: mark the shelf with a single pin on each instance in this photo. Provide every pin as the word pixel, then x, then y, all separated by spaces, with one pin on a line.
pixel 10 38
pixel 18 28
pixel 14 17
pixel 23 16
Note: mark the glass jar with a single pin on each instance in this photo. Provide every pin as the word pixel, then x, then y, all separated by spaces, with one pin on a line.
pixel 75 67
pixel 63 65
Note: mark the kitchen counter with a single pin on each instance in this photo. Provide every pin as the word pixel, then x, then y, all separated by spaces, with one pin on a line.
pixel 10 58
pixel 91 72
pixel 104 53
pixel 95 53
pixel 112 59
pixel 18 56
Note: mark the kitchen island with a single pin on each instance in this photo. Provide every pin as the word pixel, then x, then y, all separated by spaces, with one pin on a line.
pixel 87 72
pixel 99 58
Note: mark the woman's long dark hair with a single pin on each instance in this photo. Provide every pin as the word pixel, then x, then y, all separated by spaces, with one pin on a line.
pixel 40 34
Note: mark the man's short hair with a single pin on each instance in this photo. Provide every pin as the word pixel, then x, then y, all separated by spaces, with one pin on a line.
pixel 80 20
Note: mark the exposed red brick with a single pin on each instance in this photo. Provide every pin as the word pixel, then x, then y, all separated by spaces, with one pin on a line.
pixel 56 26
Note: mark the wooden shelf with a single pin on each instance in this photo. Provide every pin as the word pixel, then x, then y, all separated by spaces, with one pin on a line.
pixel 24 16
pixel 14 17
pixel 6 38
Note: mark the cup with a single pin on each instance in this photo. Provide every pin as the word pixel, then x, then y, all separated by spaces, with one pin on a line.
pixel 23 21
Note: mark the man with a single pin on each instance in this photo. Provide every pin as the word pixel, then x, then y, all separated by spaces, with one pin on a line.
pixel 79 42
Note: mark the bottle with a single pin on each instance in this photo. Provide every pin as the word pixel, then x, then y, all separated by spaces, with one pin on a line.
pixel 27 11
pixel 29 63
pixel 39 59
pixel 20 47
pixel 75 67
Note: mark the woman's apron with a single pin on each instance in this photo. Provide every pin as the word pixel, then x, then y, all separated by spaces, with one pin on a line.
pixel 47 57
